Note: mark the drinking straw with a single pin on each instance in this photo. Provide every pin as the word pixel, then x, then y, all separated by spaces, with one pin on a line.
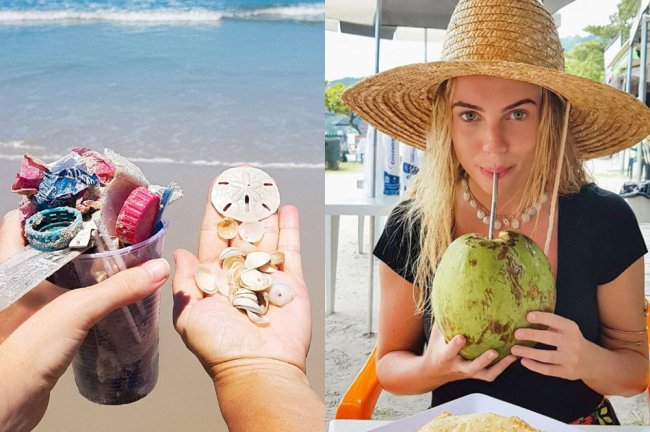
pixel 493 208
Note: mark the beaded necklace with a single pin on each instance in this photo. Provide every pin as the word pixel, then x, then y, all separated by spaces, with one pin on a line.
pixel 484 215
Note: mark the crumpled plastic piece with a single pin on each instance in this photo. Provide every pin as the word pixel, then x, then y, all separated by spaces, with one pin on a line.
pixel 62 188
pixel 71 160
pixel 97 163
pixel 30 176
pixel 26 210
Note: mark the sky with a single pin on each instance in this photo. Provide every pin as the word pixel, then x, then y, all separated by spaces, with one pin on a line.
pixel 354 56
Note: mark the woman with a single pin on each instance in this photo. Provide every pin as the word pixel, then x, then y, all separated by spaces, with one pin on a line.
pixel 499 102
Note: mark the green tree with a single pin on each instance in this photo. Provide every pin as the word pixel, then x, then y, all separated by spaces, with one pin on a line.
pixel 587 59
pixel 335 105
pixel 619 22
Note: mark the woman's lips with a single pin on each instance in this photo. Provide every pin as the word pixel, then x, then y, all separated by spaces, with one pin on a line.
pixel 502 171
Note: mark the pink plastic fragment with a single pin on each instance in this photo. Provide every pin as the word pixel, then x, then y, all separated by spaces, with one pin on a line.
pixel 30 176
pixel 97 163
pixel 26 209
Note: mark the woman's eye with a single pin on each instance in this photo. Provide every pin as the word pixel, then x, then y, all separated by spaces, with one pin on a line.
pixel 518 115
pixel 469 116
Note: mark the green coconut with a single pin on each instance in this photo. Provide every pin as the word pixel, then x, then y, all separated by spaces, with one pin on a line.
pixel 483 289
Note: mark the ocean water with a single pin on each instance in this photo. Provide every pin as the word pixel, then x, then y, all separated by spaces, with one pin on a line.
pixel 189 81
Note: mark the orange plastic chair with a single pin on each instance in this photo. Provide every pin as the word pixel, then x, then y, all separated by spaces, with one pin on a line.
pixel 359 401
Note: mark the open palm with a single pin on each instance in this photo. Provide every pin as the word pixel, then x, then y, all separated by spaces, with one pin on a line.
pixel 216 331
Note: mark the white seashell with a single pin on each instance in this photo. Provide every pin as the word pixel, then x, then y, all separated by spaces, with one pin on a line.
pixel 251 232
pixel 227 229
pixel 245 293
pixel 263 300
pixel 229 252
pixel 245 194
pixel 486 220
pixel 480 214
pixel 525 217
pixel 277 258
pixel 256 318
pixel 244 246
pixel 221 282
pixel 268 268
pixel 281 293
pixel 497 224
pixel 515 223
pixel 234 274
pixel 232 261
pixel 255 280
pixel 247 304
pixel 205 279
pixel 466 196
pixel 257 259
pixel 473 204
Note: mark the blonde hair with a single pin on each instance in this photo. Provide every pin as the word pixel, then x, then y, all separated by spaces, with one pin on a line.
pixel 429 214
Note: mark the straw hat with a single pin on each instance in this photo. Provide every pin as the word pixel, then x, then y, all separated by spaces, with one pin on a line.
pixel 512 39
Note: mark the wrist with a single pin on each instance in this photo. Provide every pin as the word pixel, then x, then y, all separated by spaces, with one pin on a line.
pixel 238 371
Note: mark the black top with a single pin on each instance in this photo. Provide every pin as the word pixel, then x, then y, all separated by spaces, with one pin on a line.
pixel 598 238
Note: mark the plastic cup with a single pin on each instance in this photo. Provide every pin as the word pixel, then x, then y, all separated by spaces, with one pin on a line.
pixel 117 362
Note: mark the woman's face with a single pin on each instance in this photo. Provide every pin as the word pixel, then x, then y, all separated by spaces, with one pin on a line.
pixel 494 129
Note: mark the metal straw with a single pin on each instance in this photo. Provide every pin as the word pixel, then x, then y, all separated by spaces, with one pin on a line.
pixel 493 207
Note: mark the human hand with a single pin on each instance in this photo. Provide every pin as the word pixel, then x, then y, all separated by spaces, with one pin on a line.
pixel 567 360
pixel 44 335
pixel 448 363
pixel 222 336
pixel 12 241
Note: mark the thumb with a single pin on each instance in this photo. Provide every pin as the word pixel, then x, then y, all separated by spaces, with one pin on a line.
pixel 126 287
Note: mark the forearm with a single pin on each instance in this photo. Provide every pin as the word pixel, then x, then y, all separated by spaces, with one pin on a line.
pixel 405 373
pixel 22 402
pixel 264 394
pixel 615 372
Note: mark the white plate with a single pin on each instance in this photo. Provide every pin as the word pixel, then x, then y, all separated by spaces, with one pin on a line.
pixel 476 403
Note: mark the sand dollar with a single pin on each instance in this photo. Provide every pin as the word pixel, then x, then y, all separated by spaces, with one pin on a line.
pixel 245 194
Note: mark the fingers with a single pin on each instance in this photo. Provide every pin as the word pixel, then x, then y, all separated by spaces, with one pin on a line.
pixel 493 372
pixel 452 349
pixel 548 319
pixel 11 235
pixel 289 239
pixel 126 287
pixel 210 244
pixel 544 336
pixel 269 242
pixel 183 285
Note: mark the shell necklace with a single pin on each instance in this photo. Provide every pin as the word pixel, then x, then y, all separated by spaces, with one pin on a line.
pixel 484 215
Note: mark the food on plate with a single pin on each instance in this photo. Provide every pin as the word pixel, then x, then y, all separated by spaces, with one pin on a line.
pixel 488 421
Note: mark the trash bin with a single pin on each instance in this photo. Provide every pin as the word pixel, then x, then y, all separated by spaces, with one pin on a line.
pixel 332 152
pixel 637 195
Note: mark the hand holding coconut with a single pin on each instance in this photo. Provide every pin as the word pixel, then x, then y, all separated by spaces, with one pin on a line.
pixel 447 363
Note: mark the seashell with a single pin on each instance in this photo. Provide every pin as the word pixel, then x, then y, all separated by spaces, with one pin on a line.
pixel 277 258
pixel 230 252
pixel 221 282
pixel 232 261
pixel 245 194
pixel 268 268
pixel 205 279
pixel 263 300
pixel 227 228
pixel 281 293
pixel 247 304
pixel 234 274
pixel 256 318
pixel 255 280
pixel 245 293
pixel 257 259
pixel 244 246
pixel 252 232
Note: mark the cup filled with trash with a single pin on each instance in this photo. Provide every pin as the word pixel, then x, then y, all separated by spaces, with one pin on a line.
pixel 86 217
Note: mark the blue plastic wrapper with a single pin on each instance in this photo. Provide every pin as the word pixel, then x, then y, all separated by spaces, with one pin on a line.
pixel 62 188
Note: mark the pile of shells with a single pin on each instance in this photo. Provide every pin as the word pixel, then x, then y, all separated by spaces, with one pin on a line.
pixel 245 278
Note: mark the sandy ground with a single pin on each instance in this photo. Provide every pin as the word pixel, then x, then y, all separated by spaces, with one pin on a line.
pixel 184 398
pixel 347 343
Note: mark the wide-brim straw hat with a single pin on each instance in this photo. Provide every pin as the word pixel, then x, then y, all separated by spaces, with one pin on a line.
pixel 512 39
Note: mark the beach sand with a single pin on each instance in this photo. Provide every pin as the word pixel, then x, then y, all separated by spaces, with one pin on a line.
pixel 183 386
pixel 348 345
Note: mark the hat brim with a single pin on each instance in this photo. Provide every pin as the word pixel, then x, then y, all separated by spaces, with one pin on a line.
pixel 603 120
